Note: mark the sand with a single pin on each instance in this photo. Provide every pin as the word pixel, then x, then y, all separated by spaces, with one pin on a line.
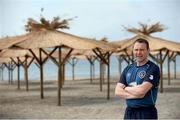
pixel 80 100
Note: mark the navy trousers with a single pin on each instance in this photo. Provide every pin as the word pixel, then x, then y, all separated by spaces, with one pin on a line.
pixel 149 112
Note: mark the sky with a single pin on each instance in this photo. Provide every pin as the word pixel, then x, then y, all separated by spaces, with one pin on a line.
pixel 94 18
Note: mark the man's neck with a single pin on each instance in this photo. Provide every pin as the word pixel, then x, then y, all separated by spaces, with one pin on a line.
pixel 142 62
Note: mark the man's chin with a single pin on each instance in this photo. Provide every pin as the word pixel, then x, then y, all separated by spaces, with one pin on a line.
pixel 139 60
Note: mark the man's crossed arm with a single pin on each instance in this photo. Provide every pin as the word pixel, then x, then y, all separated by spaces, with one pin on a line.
pixel 133 92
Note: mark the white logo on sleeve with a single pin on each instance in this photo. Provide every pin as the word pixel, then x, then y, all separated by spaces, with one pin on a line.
pixel 151 77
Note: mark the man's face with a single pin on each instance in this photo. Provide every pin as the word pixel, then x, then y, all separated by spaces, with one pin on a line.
pixel 140 52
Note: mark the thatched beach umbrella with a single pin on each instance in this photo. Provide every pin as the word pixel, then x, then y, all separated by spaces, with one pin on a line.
pixel 19 57
pixel 46 37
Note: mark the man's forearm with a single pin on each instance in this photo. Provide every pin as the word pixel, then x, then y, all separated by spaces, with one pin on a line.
pixel 139 90
pixel 126 95
pixel 122 93
pixel 135 91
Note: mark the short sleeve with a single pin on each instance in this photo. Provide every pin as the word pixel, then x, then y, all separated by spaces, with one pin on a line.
pixel 153 75
pixel 123 76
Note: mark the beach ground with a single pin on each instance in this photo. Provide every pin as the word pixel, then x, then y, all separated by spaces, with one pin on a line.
pixel 80 100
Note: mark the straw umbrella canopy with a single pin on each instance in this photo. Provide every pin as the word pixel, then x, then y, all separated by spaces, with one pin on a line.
pixel 155 43
pixel 7 42
pixel 14 53
pixel 49 38
pixel 45 36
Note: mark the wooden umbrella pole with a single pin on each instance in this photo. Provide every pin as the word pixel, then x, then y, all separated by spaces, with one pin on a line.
pixel 168 66
pixel 175 68
pixel 108 76
pixel 91 72
pixel 161 73
pixel 41 72
pixel 26 74
pixel 59 78
pixel 9 71
pixel 18 74
pixel 73 68
pixel 100 75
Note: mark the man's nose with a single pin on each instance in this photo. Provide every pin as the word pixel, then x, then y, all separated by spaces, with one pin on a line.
pixel 138 52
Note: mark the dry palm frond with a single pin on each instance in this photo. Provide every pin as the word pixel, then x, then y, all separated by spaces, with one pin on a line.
pixel 44 22
pixel 56 23
pixel 156 28
pixel 147 30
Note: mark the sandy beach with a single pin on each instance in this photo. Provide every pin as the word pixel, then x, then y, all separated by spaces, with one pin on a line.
pixel 80 100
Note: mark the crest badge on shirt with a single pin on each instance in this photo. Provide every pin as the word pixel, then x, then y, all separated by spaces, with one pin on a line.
pixel 142 74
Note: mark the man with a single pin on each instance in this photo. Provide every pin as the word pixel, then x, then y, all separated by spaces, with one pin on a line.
pixel 138 84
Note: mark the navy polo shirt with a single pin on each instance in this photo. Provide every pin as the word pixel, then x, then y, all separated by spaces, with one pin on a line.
pixel 135 75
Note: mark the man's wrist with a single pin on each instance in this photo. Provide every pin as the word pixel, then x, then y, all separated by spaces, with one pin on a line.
pixel 122 85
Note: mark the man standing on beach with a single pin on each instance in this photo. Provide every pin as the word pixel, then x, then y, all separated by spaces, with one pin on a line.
pixel 138 84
